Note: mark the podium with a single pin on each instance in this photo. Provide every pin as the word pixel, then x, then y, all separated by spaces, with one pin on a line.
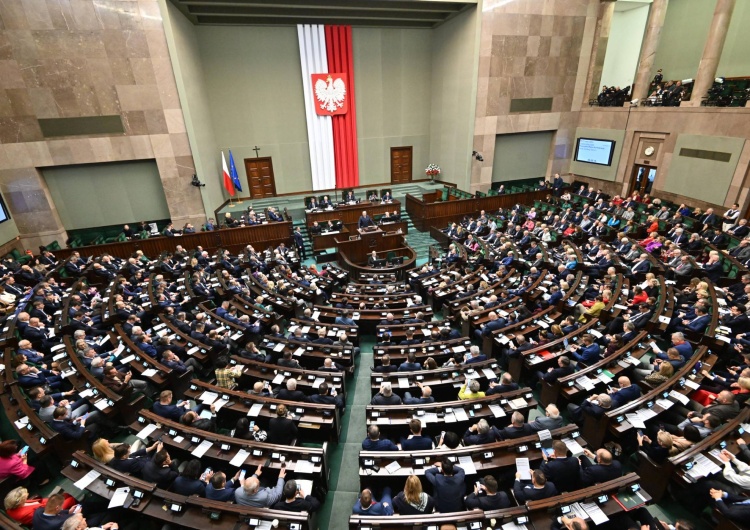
pixel 354 251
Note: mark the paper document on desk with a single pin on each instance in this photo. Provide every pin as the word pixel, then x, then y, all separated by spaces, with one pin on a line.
pixel 467 464
pixel 664 403
pixel 101 404
pixel 595 333
pixel 119 498
pixel 542 324
pixel 635 420
pixel 278 379
pixel 595 513
pixel 514 526
pixel 620 306
pixel 522 467
pixel 148 429
pixel 682 398
pixel 403 382
pixel 208 397
pixel 489 373
pixel 691 384
pixel 299 351
pixel 544 434
pixel 255 409
pixel 201 450
pixel 585 382
pixel 22 423
pixel 219 403
pixel 517 403
pixel 459 349
pixel 150 372
pixel 497 410
pixel 383 420
pixel 127 359
pixel 318 381
pixel 193 350
pixel 279 347
pixel 87 479
pixel 239 459
pixel 393 467
pixel 426 332
pixel 573 446
pixel 460 414
pixel 663 319
pixel 646 414
pixel 316 315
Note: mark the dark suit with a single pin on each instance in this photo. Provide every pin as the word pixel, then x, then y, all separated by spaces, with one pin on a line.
pixel 52 522
pixel 563 471
pixel 730 507
pixel 162 476
pixel 596 473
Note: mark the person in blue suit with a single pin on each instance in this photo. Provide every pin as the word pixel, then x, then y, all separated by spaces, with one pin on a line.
pixel 588 353
pixel 625 393
pixel 415 441
pixel 495 323
pixel 698 323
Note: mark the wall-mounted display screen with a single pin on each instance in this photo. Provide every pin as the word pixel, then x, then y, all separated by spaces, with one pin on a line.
pixel 593 151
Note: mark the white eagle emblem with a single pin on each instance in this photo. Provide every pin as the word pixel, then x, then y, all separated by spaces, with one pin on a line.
pixel 330 95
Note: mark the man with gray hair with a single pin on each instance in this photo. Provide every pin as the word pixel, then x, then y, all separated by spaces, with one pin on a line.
pixel 474 356
pixel 251 494
pixel 386 395
pixel 517 428
pixel 290 393
pixel 482 433
pixel 551 419
pixel 78 522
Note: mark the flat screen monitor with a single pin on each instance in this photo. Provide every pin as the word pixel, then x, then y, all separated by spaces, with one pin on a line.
pixel 4 215
pixel 399 260
pixel 593 151
pixel 379 263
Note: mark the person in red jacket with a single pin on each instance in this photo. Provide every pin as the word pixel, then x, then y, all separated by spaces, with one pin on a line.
pixel 20 507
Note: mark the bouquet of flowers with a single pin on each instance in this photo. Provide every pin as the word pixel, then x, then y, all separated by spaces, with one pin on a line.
pixel 432 170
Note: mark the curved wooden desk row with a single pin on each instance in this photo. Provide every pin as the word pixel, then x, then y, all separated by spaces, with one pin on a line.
pixel 308 354
pixel 307 380
pixel 567 388
pixel 184 440
pixel 658 476
pixel 455 415
pixel 232 239
pixel 616 421
pixel 443 382
pixel 540 513
pixel 319 421
pixel 486 458
pixel 190 512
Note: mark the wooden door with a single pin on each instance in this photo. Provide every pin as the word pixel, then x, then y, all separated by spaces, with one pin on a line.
pixel 401 164
pixel 260 177
pixel 643 179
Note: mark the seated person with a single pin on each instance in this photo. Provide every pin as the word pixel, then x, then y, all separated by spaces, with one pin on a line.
pixel 482 433
pixel 373 442
pixel 413 500
pixel 538 488
pixel 486 496
pixel 294 499
pixel 367 505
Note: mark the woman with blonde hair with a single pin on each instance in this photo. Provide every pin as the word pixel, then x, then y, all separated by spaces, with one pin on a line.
pixel 20 507
pixel 103 451
pixel 665 372
pixel 413 501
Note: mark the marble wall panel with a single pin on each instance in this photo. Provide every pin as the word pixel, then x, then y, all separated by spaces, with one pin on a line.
pixel 534 49
pixel 73 58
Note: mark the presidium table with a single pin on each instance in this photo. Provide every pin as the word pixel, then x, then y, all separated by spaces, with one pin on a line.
pixel 349 215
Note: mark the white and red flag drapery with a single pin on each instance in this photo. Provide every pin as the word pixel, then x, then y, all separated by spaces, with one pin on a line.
pixel 330 110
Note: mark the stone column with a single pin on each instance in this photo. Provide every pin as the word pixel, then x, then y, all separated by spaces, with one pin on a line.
pixel 654 25
pixel 717 34
pixel 598 50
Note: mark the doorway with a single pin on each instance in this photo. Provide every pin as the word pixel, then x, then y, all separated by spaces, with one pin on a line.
pixel 260 177
pixel 643 179
pixel 401 164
